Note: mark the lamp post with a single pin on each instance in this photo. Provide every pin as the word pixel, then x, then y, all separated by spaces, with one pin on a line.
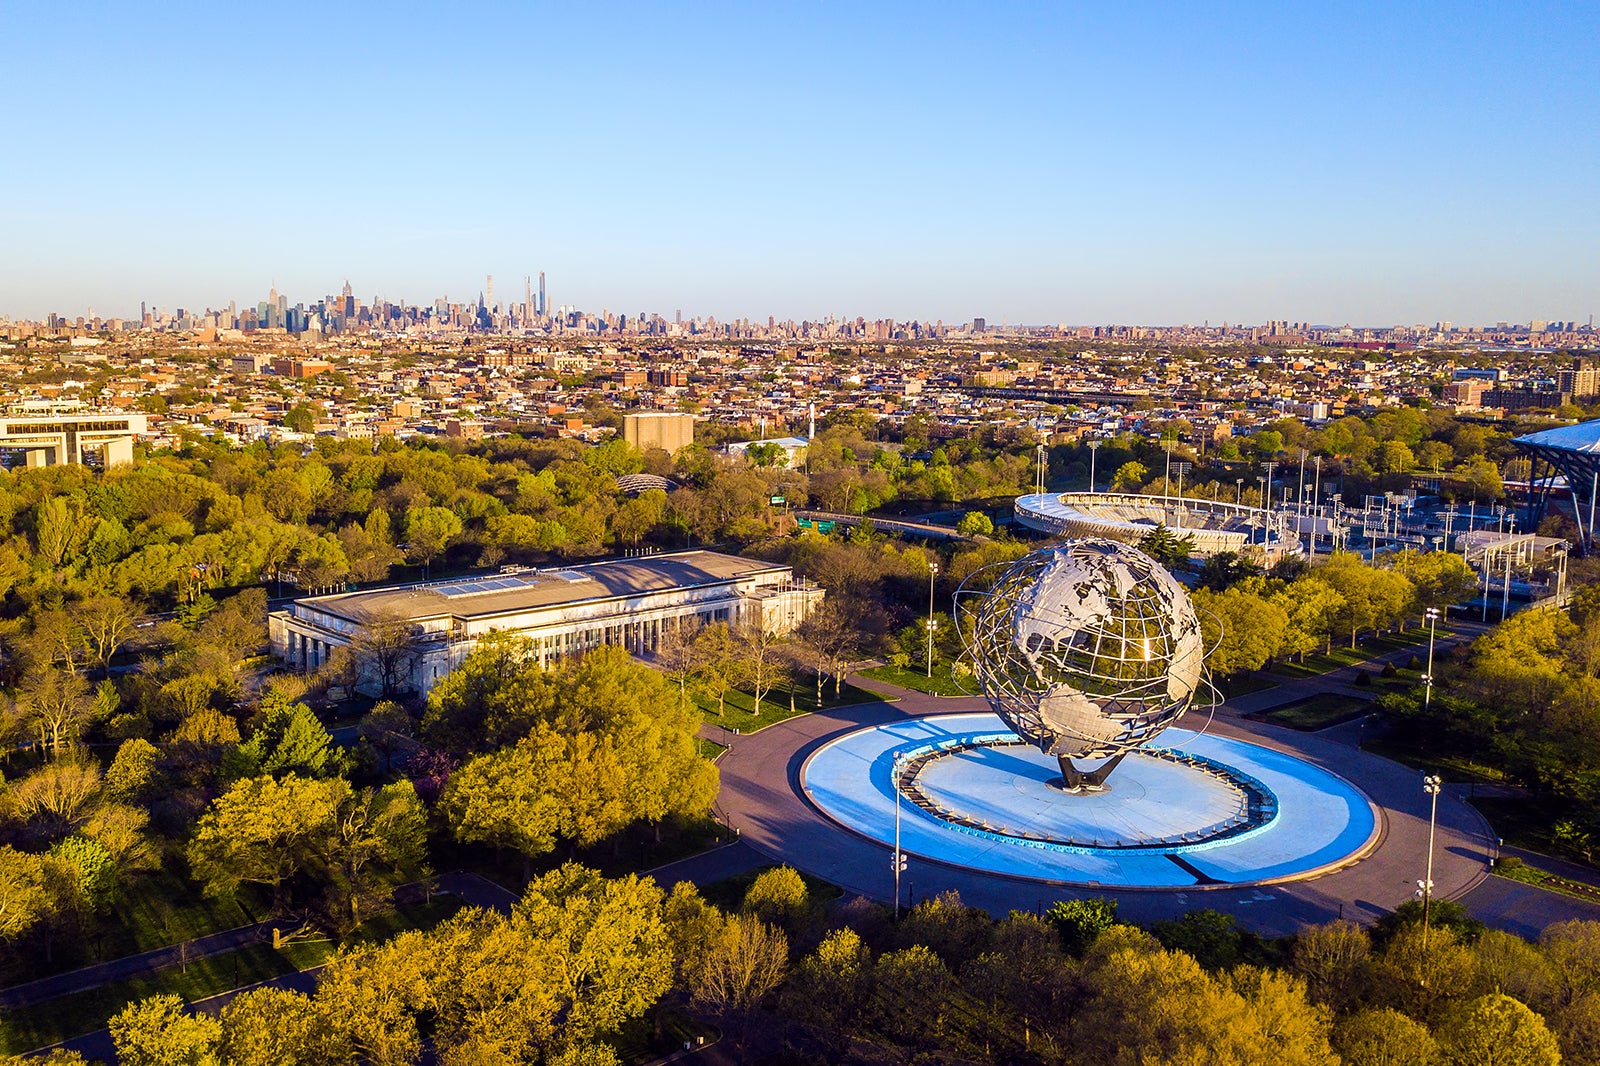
pixel 1300 486
pixel 1431 784
pixel 933 572
pixel 1427 678
pixel 1238 491
pixel 1094 446
pixel 899 860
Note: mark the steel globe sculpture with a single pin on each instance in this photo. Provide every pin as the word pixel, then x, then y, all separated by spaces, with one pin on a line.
pixel 1088 649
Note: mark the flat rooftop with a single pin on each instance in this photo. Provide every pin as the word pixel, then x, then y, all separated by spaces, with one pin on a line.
pixel 511 593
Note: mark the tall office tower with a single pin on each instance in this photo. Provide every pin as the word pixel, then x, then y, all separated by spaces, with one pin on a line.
pixel 347 301
pixel 489 284
pixel 544 308
pixel 527 295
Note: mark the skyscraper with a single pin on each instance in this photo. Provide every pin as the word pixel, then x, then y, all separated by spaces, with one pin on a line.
pixel 489 285
pixel 544 308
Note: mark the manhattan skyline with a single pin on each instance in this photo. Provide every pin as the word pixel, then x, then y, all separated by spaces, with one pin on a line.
pixel 1367 165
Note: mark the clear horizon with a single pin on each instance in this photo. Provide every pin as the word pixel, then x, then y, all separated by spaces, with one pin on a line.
pixel 1374 164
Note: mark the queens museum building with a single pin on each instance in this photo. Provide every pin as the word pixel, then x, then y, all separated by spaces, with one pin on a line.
pixel 630 603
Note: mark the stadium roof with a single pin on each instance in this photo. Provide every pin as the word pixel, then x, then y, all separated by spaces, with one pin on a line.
pixel 1583 437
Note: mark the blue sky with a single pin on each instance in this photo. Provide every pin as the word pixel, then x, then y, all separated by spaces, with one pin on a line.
pixel 1157 163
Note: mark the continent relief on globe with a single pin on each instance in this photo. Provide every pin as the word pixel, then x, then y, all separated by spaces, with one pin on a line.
pixel 1113 647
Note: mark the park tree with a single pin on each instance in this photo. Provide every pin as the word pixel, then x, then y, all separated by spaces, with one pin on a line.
pixel 371 996
pixel 601 947
pixel 59 706
pixel 1313 608
pixel 429 530
pixel 678 654
pixel 975 524
pixel 1373 598
pixel 1130 476
pixel 833 639
pixel 1242 630
pixel 26 894
pixel 916 975
pixel 379 839
pixel 509 798
pixel 58 797
pixel 1440 578
pixel 287 739
pixel 159 1032
pixel 278 1027
pixel 1167 547
pixel 107 623
pixel 762 663
pixel 493 697
pixel 388 728
pixel 264 831
pixel 1497 1030
pixel 779 897
pixel 132 770
pixel 1475 479
pixel 720 665
pixel 747 961
pixel 387 649
pixel 1079 922
pixel 830 988
pixel 1333 961
pixel 1383 1036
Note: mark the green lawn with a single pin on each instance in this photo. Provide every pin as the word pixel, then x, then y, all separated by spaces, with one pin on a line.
pixel 656 1035
pixel 738 708
pixel 158 908
pixel 1318 712
pixel 1524 823
pixel 69 1016
pixel 942 683
pixel 1243 684
pixel 637 848
pixel 1514 869
pixel 1453 767
pixel 1370 647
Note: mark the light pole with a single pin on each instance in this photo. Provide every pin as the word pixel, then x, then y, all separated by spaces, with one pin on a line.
pixel 1238 491
pixel 1427 678
pixel 1094 446
pixel 933 572
pixel 1040 455
pixel 899 860
pixel 1431 785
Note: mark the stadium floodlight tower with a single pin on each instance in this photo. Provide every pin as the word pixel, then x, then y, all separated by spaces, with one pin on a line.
pixel 1087 649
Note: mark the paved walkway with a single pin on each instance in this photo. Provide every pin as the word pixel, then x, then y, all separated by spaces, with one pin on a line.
pixel 761 796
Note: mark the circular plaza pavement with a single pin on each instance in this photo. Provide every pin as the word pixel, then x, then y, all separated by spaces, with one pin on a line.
pixel 1355 874
pixel 1194 812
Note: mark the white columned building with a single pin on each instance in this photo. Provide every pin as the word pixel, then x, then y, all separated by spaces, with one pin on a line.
pixel 629 603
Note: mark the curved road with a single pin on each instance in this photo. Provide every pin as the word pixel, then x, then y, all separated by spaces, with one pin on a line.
pixel 761 795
